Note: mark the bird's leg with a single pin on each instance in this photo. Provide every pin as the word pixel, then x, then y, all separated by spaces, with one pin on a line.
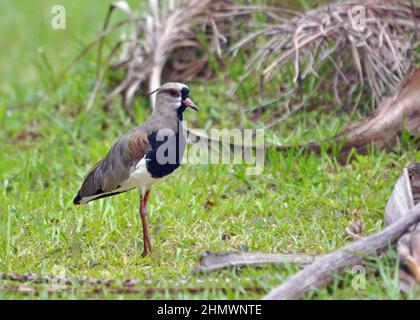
pixel 145 200
pixel 143 211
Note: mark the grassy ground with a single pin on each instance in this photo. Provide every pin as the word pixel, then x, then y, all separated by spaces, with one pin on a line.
pixel 301 203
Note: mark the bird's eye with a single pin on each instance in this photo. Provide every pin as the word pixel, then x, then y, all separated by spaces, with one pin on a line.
pixel 174 93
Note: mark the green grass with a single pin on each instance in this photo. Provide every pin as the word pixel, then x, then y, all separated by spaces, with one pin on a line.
pixel 302 202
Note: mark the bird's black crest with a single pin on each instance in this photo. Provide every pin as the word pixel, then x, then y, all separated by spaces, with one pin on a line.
pixel 150 93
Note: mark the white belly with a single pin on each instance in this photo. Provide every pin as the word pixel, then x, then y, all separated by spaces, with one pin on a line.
pixel 139 177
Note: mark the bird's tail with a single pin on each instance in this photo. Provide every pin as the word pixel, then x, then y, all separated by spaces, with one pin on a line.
pixel 77 199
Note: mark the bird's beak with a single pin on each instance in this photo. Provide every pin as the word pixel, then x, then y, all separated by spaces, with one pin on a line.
pixel 188 103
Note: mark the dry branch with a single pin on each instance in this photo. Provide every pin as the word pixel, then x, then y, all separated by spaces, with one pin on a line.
pixel 321 271
pixel 211 261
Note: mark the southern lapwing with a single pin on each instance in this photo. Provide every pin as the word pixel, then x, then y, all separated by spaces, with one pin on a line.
pixel 142 156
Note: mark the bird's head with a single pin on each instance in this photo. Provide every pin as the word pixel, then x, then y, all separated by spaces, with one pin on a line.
pixel 174 96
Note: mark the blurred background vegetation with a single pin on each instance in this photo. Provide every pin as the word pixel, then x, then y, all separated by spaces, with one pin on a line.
pixel 301 203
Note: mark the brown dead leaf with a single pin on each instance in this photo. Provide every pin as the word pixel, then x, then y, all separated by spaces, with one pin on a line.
pixel 355 229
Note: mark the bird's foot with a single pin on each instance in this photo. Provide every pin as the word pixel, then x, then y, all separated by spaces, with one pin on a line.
pixel 147 247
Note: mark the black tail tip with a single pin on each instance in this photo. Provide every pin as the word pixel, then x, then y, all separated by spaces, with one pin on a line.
pixel 77 199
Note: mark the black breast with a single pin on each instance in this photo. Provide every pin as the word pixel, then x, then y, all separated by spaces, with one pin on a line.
pixel 166 154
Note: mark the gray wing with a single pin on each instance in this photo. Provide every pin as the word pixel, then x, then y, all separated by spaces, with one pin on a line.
pixel 108 174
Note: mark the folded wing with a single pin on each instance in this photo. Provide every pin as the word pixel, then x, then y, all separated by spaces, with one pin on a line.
pixel 106 177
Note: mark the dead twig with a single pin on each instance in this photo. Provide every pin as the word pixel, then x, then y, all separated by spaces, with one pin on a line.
pixel 211 261
pixel 148 292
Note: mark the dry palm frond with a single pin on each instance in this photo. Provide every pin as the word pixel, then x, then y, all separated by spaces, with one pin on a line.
pixel 167 31
pixel 373 38
pixel 166 41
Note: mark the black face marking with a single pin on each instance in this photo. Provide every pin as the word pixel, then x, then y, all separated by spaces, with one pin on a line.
pixel 176 146
pixel 180 111
pixel 184 93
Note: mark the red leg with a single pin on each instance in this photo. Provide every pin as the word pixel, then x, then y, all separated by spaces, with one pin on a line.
pixel 143 211
pixel 145 200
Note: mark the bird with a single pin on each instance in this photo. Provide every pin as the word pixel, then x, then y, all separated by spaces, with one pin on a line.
pixel 144 155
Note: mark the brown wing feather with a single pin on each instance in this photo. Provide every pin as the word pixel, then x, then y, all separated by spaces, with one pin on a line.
pixel 108 174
